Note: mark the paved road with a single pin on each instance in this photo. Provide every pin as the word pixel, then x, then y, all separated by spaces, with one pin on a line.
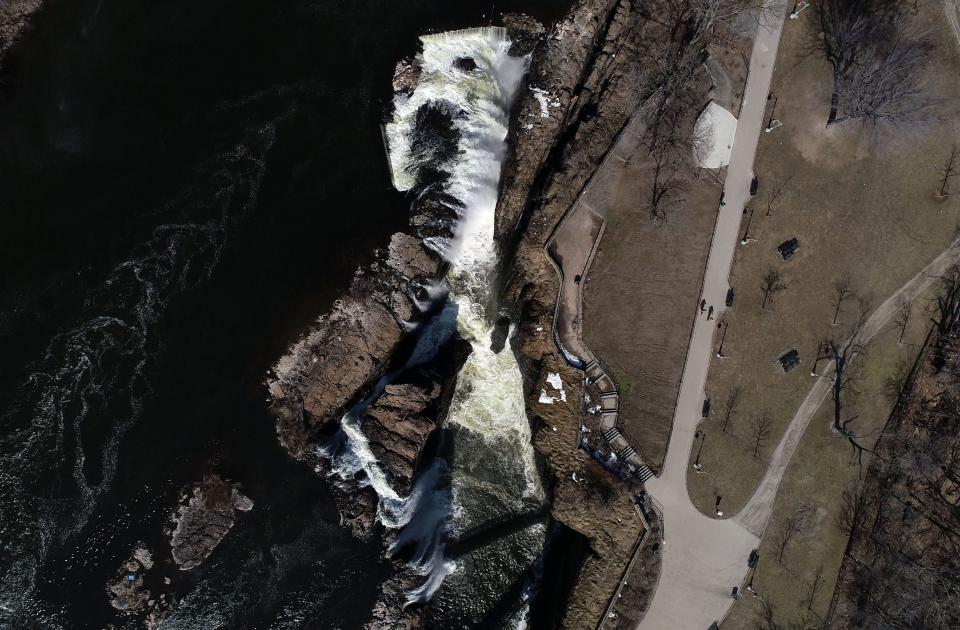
pixel 703 558
pixel 756 514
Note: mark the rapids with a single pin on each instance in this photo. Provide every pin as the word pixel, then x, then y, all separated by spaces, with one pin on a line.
pixel 492 473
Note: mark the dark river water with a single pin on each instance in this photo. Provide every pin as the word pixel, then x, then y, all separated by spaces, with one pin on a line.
pixel 184 186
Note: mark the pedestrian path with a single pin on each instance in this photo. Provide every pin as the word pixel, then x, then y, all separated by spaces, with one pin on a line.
pixel 571 249
pixel 704 558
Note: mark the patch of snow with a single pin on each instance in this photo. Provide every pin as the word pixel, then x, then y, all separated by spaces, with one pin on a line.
pixel 543 97
pixel 554 379
pixel 713 136
pixel 545 399
pixel 593 409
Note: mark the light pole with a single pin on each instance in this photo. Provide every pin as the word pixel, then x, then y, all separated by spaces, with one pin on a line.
pixel 719 512
pixel 798 7
pixel 746 232
pixel 703 437
pixel 770 121
pixel 816 359
pixel 723 335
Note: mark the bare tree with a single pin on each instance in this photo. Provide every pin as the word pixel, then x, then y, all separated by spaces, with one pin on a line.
pixel 731 404
pixel 877 59
pixel 844 352
pixel 897 384
pixel 814 586
pixel 791 527
pixel 762 426
pixel 771 285
pixel 841 291
pixel 902 317
pixel 776 193
pixel 948 304
pixel 669 185
pixel 949 170
pixel 853 504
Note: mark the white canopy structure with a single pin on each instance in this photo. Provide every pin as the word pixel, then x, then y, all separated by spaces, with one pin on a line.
pixel 713 139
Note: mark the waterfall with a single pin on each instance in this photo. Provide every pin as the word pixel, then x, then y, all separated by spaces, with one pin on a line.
pixel 493 471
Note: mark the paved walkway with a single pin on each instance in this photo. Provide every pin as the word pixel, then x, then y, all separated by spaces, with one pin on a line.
pixel 571 249
pixel 756 514
pixel 704 558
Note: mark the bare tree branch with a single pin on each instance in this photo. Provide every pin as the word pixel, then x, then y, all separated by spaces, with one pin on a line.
pixel 771 285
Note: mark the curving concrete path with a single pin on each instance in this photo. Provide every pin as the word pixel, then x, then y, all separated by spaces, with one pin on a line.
pixel 756 513
pixel 704 558
pixel 953 20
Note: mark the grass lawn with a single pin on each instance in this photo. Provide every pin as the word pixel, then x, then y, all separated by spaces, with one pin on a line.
pixel 823 466
pixel 863 208
pixel 640 299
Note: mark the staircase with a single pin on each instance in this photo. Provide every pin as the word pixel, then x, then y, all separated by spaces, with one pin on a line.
pixel 643 473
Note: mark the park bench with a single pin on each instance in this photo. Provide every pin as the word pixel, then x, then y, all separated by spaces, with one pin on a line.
pixel 790 360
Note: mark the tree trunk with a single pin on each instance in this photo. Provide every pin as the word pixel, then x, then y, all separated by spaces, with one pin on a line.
pixel 834 106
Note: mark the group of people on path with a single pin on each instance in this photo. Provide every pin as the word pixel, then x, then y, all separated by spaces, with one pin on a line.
pixel 703 307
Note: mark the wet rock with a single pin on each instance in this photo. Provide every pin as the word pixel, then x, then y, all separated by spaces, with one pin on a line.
pixel 133 592
pixel 126 591
pixel 322 374
pixel 205 519
pixel 498 338
pixel 435 141
pixel 466 64
pixel 16 17
pixel 398 426
pixel 525 33
pixel 390 612
pixel 406 74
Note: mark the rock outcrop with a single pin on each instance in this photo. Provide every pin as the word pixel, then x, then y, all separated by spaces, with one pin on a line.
pixel 15 19
pixel 349 347
pixel 137 593
pixel 204 520
pixel 398 426
pixel 526 33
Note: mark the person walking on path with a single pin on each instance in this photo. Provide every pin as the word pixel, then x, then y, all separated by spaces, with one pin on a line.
pixel 703 305
pixel 710 313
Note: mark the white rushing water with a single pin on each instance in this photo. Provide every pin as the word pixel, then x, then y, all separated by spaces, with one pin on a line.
pixel 493 471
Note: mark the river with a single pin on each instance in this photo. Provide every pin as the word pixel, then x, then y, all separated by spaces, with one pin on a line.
pixel 183 187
